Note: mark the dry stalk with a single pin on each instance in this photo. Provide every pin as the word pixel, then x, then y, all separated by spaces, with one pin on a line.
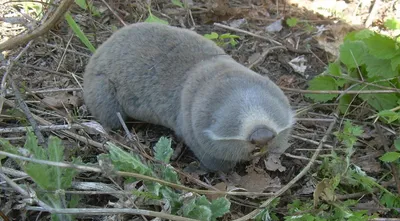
pixel 295 179
pixel 23 39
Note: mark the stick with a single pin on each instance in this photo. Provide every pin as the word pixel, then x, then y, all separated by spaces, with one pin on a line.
pixel 23 39
pixel 294 180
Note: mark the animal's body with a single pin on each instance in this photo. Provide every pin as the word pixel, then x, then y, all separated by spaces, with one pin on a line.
pixel 178 79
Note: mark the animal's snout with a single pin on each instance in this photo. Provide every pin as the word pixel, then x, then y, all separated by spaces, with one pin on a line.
pixel 262 136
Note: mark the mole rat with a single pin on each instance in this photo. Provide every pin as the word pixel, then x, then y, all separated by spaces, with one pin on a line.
pixel 176 78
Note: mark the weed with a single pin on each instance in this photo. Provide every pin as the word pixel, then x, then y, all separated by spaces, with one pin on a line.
pixel 222 40
pixel 366 56
pixel 57 179
pixel 50 181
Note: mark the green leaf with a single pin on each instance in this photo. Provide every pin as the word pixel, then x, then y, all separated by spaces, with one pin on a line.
pixel 395 62
pixel 177 3
pixel 73 203
pixel 390 200
pixel 377 101
pixel 390 156
pixel 188 207
pixel 40 175
pixel 349 134
pixel 56 152
pixel 163 150
pixel 6 146
pixel 397 144
pixel 84 5
pixel 170 175
pixel 31 144
pixel 334 69
pixel 78 32
pixel 379 67
pixel 344 103
pixel 127 162
pixel 212 36
pixel 291 22
pixel 389 115
pixel 392 24
pixel 202 213
pixel 363 34
pixel 81 3
pixel 352 53
pixel 382 46
pixel 154 19
pixel 322 83
pixel 228 35
pixel 219 207
pixel 173 199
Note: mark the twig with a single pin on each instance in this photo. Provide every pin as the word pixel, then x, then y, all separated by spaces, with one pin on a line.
pixel 45 69
pixel 41 128
pixel 22 39
pixel 301 158
pixel 68 50
pixel 135 175
pixel 128 133
pixel 109 211
pixel 387 149
pixel 368 83
pixel 54 90
pixel 114 13
pixel 27 113
pixel 338 92
pixel 2 215
pixel 372 14
pixel 22 191
pixel 314 119
pixel 247 33
pixel 9 68
pixel 312 141
pixel 264 54
pixel 65 132
pixel 294 180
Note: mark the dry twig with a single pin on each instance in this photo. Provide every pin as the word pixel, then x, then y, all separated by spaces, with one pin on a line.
pixel 294 180
pixel 22 39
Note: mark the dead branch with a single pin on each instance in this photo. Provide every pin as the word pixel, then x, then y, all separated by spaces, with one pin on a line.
pixel 22 39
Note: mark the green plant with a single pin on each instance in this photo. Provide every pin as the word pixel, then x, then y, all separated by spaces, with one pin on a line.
pixel 34 7
pixel 223 39
pixel 197 207
pixel 393 156
pixel 58 179
pixel 153 18
pixel 392 24
pixel 78 32
pixel 48 178
pixel 85 5
pixel 367 57
pixel 177 3
pixel 338 175
pixel 291 22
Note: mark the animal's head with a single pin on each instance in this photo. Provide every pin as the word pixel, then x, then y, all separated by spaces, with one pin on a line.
pixel 249 119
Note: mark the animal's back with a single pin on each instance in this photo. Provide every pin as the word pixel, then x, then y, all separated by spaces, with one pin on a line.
pixel 140 70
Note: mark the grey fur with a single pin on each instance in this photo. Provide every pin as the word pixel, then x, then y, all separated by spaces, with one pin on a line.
pixel 176 78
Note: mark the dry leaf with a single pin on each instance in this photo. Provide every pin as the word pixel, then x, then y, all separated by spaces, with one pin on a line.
pixel 58 101
pixel 259 182
pixel 273 163
pixel 94 128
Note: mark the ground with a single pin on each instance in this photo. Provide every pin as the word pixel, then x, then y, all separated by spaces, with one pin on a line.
pixel 48 72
